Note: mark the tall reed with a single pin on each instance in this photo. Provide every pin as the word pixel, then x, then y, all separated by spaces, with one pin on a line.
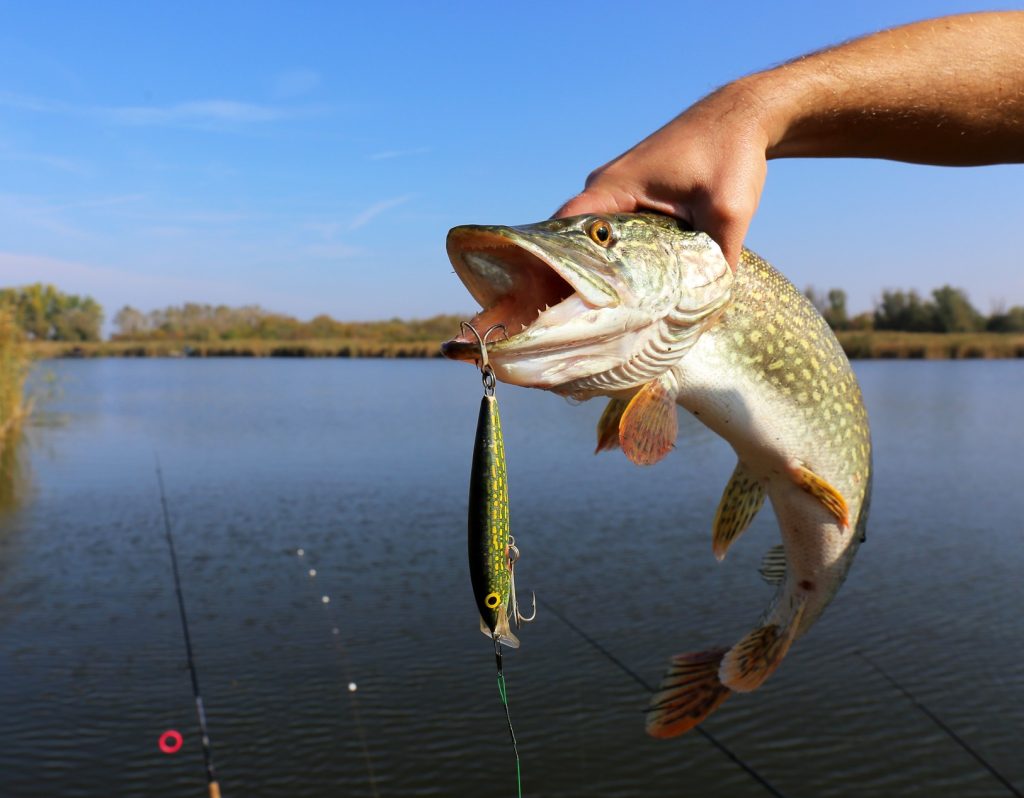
pixel 14 365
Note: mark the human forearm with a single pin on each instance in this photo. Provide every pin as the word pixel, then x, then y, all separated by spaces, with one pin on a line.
pixel 945 91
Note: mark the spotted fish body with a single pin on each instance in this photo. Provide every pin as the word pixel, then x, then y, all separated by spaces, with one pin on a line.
pixel 771 378
pixel 489 535
pixel 638 309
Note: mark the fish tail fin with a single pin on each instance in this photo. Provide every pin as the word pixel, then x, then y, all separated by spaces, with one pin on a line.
pixel 754 658
pixel 689 692
pixel 502 630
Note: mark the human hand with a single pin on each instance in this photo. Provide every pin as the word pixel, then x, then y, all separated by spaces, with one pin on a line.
pixel 706 167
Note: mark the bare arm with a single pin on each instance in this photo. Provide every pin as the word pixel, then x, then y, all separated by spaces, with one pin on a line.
pixel 944 91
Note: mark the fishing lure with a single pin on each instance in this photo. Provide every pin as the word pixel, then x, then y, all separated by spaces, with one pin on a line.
pixel 492 549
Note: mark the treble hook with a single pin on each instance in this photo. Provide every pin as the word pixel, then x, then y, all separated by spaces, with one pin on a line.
pixel 485 363
pixel 513 557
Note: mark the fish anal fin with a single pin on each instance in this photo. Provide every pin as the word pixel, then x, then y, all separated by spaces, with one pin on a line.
pixel 689 692
pixel 740 502
pixel 649 424
pixel 821 490
pixel 754 658
pixel 773 565
pixel 608 424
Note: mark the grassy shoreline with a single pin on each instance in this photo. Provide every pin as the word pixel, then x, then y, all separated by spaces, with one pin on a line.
pixel 878 345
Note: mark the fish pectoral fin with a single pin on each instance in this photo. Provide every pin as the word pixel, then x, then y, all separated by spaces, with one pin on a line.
pixel 689 692
pixel 649 424
pixel 608 424
pixel 821 490
pixel 743 497
pixel 773 565
pixel 752 660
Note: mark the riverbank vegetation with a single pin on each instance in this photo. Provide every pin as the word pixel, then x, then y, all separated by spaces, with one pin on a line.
pixel 14 365
pixel 903 324
pixel 44 313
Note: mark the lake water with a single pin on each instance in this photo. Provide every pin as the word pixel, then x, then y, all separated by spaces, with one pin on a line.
pixel 364 465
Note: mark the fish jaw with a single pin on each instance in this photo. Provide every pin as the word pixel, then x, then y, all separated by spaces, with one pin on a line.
pixel 572 309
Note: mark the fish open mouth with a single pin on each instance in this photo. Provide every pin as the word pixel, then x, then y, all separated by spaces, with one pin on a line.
pixel 514 282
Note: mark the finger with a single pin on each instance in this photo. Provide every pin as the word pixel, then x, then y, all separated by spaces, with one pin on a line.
pixel 596 200
pixel 729 237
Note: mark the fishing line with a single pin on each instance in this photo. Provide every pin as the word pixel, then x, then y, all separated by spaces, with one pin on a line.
pixel 938 722
pixel 342 656
pixel 504 700
pixel 643 683
pixel 211 776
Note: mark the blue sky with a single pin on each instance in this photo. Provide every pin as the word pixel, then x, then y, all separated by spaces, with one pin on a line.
pixel 310 157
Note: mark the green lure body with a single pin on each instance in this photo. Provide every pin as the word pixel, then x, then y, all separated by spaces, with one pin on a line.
pixel 490 566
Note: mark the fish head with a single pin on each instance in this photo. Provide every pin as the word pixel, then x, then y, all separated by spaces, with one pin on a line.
pixel 589 305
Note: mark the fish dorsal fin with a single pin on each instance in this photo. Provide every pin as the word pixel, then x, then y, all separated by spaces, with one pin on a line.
pixel 740 502
pixel 773 565
pixel 752 660
pixel 649 424
pixel 821 490
pixel 608 424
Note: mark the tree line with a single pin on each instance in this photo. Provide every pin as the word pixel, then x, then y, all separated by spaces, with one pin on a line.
pixel 948 310
pixel 44 313
pixel 198 322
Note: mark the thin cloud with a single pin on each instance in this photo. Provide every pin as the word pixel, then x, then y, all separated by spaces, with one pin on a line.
pixel 217 111
pixel 386 155
pixel 295 83
pixel 375 210
pixel 332 251
pixel 98 281
pixel 57 162
pixel 193 112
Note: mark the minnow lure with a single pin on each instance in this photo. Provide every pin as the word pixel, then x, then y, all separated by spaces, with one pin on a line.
pixel 492 549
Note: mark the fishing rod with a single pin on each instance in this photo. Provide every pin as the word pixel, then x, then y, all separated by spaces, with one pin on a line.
pixel 643 683
pixel 938 722
pixel 211 776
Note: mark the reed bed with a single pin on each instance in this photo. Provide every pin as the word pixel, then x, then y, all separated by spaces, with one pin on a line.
pixel 879 345
pixel 14 365
pixel 865 345
pixel 326 347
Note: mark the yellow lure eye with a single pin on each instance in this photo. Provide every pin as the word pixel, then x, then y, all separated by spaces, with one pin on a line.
pixel 600 232
pixel 492 600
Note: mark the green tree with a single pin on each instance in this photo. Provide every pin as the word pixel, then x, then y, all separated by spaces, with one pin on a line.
pixel 953 312
pixel 1011 320
pixel 899 310
pixel 46 314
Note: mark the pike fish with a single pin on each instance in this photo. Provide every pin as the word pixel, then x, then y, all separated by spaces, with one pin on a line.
pixel 638 309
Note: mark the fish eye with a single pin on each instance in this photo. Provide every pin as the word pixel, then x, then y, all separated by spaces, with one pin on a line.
pixel 600 232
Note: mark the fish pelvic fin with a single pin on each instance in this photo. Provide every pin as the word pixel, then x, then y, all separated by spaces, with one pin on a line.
pixel 753 659
pixel 608 425
pixel 743 497
pixel 689 692
pixel 649 424
pixel 821 490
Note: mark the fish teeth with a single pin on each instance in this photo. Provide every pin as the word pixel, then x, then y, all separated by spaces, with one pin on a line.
pixel 523 326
